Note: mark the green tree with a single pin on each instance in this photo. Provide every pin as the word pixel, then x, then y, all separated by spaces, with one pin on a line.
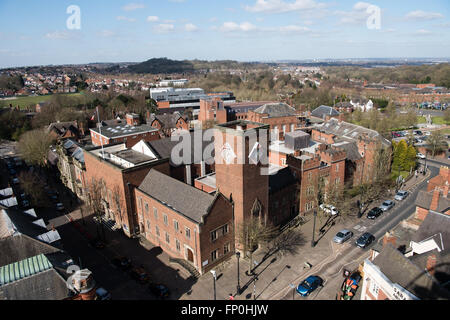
pixel 411 157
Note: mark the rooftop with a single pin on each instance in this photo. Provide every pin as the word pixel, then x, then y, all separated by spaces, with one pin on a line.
pixel 275 110
pixel 122 130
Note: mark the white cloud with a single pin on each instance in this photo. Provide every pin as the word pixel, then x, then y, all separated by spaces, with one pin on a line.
pixel 422 15
pixel 58 35
pixel 423 32
pixel 106 33
pixel 122 18
pixel 152 19
pixel 358 14
pixel 133 6
pixel 361 6
pixel 278 6
pixel 248 27
pixel 189 27
pixel 164 28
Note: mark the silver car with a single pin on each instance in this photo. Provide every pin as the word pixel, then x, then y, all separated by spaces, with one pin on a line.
pixel 342 236
pixel 401 195
pixel 388 204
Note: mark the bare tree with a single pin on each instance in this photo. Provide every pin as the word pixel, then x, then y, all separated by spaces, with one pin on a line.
pixel 95 200
pixel 436 142
pixel 32 184
pixel 118 201
pixel 251 233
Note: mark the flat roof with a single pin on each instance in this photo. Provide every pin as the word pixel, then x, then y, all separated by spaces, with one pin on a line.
pixel 208 180
pixel 115 131
pixel 132 156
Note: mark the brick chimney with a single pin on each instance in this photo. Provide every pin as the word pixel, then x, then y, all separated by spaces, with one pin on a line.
pixel 435 199
pixel 389 238
pixel 431 264
pixel 133 119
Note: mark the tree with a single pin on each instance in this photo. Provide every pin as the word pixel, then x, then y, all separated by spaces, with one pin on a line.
pixel 34 146
pixel 411 157
pixel 251 233
pixel 31 184
pixel 436 142
pixel 95 192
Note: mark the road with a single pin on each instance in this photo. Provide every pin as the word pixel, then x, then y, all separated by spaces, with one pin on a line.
pixel 348 255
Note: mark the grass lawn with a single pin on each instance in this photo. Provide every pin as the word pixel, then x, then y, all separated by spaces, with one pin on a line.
pixel 434 120
pixel 26 101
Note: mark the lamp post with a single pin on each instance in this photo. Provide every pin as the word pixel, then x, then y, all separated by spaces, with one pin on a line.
pixel 238 255
pixel 215 278
pixel 254 286
pixel 313 242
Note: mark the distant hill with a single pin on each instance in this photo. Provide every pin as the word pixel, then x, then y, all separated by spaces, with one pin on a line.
pixel 161 65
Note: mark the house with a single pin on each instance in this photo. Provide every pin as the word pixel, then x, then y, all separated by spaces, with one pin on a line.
pixel 64 130
pixel 168 124
pixel 362 104
pixel 324 112
pixel 393 276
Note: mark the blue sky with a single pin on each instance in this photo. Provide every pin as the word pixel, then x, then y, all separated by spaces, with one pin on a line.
pixel 35 32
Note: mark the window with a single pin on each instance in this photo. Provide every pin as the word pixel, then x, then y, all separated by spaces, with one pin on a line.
pixel 284 128
pixel 224 229
pixel 309 206
pixel 140 204
pixel 310 176
pixel 177 244
pixel 373 288
pixel 146 207
pixel 157 231
pixel 175 225
pixel 283 161
pixel 188 233
pixel 155 213
pixel 213 235
pixel 226 248
pixel 337 180
pixel 292 127
pixel 148 225
pixel 214 255
pixel 167 238
pixel 165 220
pixel 337 167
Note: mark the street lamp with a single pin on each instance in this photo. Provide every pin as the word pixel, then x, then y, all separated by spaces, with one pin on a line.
pixel 238 255
pixel 313 242
pixel 215 278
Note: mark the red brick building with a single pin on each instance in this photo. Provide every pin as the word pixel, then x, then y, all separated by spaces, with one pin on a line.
pixel 168 124
pixel 130 133
pixel 120 170
pixel 197 227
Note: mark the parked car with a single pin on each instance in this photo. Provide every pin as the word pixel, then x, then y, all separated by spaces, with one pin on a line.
pixel 374 213
pixel 420 155
pixel 417 132
pixel 102 294
pixel 401 195
pixel 59 206
pixel 25 203
pixel 15 181
pixel 159 290
pixel 123 263
pixel 388 204
pixel 139 274
pixel 396 135
pixel 428 133
pixel 365 239
pixel 329 209
pixel 342 236
pixel 309 285
pixel 12 172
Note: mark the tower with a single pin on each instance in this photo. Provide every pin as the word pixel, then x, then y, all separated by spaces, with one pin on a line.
pixel 241 164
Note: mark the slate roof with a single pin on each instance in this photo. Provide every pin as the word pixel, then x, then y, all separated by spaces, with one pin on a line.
pixel 399 269
pixel 123 130
pixel 350 148
pixel 62 127
pixel 163 148
pixel 434 224
pixel 179 196
pixel 46 285
pixel 167 120
pixel 442 267
pixel 322 111
pixel 349 132
pixel 275 110
pixel 424 199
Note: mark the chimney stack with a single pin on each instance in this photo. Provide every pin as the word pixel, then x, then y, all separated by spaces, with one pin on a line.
pixel 435 199
pixel 389 238
pixel 431 264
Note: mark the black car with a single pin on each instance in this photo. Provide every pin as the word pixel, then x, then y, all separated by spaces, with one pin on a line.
pixel 366 239
pixel 159 290
pixel 139 274
pixel 123 263
pixel 374 213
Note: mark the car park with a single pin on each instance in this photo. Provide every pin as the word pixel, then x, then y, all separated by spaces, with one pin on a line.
pixel 309 285
pixel 159 290
pixel 401 195
pixel 342 236
pixel 364 240
pixel 139 274
pixel 374 213
pixel 329 209
pixel 123 263
pixel 386 205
